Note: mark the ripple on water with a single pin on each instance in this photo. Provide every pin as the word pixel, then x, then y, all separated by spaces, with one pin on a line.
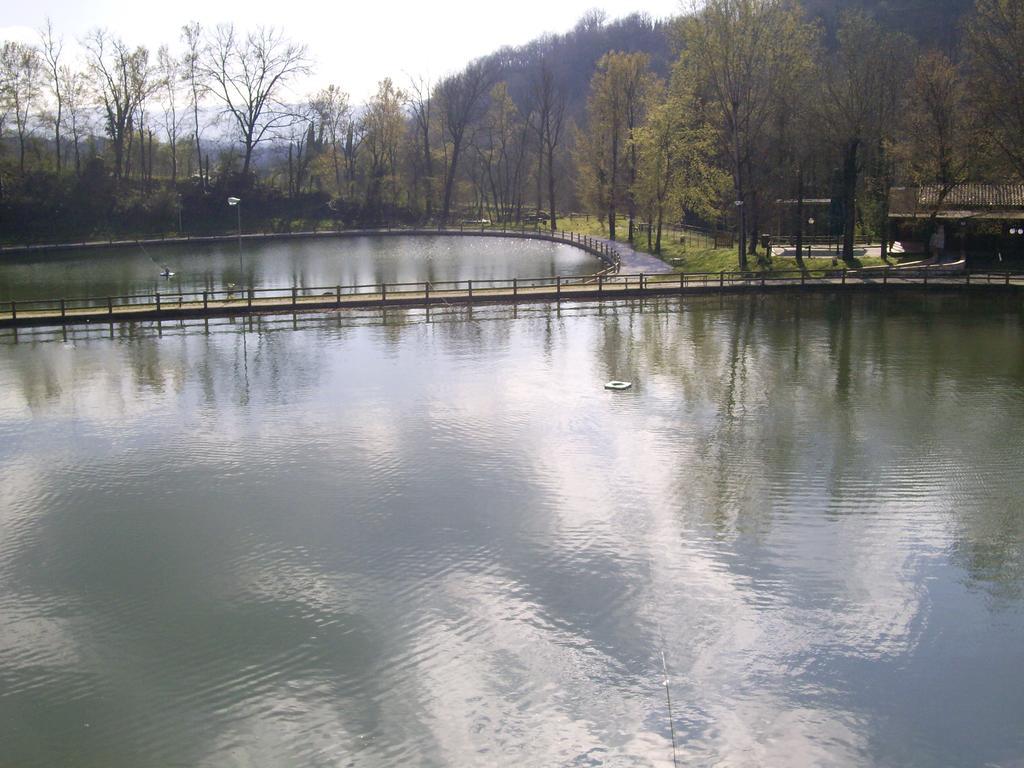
pixel 445 543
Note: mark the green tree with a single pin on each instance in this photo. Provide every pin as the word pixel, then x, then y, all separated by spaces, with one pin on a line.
pixel 383 129
pixel 857 104
pixel 21 70
pixel 742 56
pixel 620 93
pixel 994 54
pixel 939 145
pixel 675 172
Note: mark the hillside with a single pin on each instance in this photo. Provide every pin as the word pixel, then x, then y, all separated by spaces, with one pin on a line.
pixel 932 22
pixel 574 54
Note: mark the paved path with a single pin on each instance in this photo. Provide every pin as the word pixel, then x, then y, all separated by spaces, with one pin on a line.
pixel 634 261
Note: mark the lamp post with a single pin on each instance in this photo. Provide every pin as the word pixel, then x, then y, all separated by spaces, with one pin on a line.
pixel 810 245
pixel 236 203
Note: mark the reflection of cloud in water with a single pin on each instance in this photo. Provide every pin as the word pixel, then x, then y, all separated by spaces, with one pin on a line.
pixel 489 557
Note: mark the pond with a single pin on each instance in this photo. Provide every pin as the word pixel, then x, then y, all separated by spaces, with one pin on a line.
pixel 438 540
pixel 283 263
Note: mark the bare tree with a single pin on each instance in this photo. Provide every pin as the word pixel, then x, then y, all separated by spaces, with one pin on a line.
pixel 121 76
pixel 52 48
pixel 170 71
pixel 420 103
pixel 77 109
pixel 20 78
pixel 192 73
pixel 249 75
pixel 501 151
pixel 549 107
pixel 462 97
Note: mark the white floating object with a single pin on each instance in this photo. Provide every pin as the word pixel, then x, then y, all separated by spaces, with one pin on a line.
pixel 618 385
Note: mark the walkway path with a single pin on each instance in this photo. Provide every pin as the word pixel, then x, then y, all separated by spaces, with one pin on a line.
pixel 59 312
pixel 632 260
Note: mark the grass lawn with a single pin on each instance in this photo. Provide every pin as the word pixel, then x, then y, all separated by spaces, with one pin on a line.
pixel 692 253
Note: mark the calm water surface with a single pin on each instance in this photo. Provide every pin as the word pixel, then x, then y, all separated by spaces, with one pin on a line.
pixel 309 263
pixel 333 540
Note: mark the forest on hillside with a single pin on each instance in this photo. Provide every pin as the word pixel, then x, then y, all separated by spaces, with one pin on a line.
pixel 711 117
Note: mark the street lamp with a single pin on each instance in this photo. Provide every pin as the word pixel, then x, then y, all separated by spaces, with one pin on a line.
pixel 237 204
pixel 810 221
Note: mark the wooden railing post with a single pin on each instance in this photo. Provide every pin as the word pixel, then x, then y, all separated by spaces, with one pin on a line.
pixel 558 287
pixel 515 286
pixel 426 292
pixel 682 281
pixel 926 275
pixel 383 293
pixel 158 301
pixel 844 275
pixel 62 311
pixel 600 284
pixel 295 295
pixel 14 311
pixel 721 280
pixel 337 295
pixel 110 306
pixel 470 284
pixel 1007 277
pixel 205 300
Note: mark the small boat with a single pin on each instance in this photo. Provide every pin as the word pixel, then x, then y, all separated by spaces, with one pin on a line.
pixel 165 272
pixel 618 385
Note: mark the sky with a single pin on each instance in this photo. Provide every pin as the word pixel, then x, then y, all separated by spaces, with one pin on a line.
pixel 353 44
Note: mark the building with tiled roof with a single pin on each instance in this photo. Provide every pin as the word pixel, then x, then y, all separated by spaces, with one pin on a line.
pixel 974 219
pixel 1000 202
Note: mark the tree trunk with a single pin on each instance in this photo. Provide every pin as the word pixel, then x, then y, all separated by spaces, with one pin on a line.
pixel 56 129
pixel 246 163
pixel 657 241
pixel 551 186
pixel 800 219
pixel 849 198
pixel 449 182
pixel 612 187
pixel 174 161
pixel 540 178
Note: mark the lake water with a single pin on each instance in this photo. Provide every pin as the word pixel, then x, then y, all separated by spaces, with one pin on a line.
pixel 345 539
pixel 283 263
